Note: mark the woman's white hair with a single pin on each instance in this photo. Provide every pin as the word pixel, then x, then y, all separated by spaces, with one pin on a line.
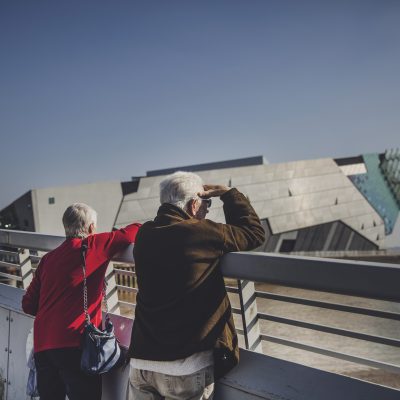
pixel 179 188
pixel 77 219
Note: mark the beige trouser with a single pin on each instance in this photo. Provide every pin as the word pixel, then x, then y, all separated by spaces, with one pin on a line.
pixel 148 385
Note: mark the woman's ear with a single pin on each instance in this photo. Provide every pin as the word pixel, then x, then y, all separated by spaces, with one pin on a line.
pixel 92 229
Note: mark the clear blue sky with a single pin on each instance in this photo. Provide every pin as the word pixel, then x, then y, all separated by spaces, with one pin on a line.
pixel 105 90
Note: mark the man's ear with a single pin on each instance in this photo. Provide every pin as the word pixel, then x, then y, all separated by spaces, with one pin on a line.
pixel 192 208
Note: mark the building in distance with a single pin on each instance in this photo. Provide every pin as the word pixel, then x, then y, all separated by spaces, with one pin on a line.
pixel 322 205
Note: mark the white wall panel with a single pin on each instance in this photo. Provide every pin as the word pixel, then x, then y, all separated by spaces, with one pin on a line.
pixel 20 325
pixel 104 197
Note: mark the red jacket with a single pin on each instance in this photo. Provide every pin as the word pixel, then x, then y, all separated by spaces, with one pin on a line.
pixel 55 295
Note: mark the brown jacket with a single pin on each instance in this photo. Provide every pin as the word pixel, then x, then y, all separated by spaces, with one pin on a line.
pixel 182 305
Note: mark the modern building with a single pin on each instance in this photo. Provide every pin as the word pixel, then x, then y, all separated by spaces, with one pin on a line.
pixel 312 205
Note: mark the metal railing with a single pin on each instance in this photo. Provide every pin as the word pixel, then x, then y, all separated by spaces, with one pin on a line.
pixel 366 280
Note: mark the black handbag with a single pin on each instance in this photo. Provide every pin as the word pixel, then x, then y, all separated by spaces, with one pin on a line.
pixel 100 348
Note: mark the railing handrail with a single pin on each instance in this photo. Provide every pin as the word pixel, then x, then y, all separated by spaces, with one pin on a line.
pixel 30 240
pixel 45 242
pixel 354 278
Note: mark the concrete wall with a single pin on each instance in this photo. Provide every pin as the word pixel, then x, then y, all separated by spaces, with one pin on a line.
pixel 104 197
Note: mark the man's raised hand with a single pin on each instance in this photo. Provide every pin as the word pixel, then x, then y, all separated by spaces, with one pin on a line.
pixel 213 191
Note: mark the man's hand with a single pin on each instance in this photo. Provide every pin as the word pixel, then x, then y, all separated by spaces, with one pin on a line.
pixel 213 191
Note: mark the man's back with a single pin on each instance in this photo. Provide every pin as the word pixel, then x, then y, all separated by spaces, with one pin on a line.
pixel 182 306
pixel 183 335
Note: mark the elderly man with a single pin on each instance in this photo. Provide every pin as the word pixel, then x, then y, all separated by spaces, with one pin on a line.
pixel 55 297
pixel 183 334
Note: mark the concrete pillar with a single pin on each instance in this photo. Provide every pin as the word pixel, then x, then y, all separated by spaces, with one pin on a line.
pixel 25 264
pixel 112 290
pixel 248 305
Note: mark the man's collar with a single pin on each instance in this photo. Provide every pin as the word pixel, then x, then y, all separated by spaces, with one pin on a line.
pixel 169 213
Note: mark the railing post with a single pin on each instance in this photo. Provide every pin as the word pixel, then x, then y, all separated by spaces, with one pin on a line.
pixel 25 264
pixel 248 305
pixel 112 290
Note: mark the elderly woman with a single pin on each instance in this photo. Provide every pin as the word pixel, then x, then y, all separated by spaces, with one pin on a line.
pixel 55 298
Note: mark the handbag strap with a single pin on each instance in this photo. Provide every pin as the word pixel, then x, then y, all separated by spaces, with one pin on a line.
pixel 84 248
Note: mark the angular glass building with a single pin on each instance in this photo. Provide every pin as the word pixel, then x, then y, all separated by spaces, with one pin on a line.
pixel 318 205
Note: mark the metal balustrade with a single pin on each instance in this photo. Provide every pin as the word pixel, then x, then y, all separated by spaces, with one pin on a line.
pixel 366 280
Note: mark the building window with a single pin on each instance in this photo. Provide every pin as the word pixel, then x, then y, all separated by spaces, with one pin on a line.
pixel 26 223
pixel 287 246
pixel 52 200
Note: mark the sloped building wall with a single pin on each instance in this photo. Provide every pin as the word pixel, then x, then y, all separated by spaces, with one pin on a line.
pixel 334 236
pixel 291 196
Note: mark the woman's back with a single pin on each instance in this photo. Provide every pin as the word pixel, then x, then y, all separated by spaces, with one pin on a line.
pixel 55 296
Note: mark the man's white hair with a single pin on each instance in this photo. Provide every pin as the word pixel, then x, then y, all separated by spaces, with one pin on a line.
pixel 179 188
pixel 77 219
